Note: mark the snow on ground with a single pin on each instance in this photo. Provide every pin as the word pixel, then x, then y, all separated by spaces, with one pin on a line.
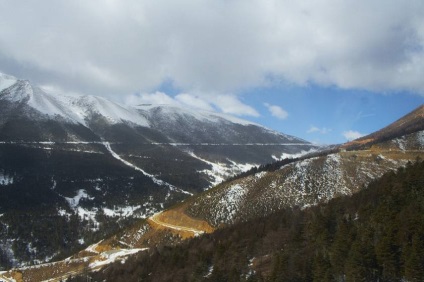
pixel 121 211
pixel 6 81
pixel 400 142
pixel 230 201
pixel 174 111
pixel 210 270
pixel 74 202
pixel 74 108
pixel 261 174
pixel 112 111
pixel 151 176
pixel 5 179
pixel 92 248
pixel 78 107
pixel 83 214
pixel 293 156
pixel 221 171
pixel 113 256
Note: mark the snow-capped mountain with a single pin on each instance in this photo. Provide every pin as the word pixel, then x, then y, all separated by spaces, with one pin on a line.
pixel 72 109
pixel 92 165
pixel 30 114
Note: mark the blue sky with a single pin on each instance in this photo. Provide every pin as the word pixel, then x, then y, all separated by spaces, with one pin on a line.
pixel 323 70
pixel 324 114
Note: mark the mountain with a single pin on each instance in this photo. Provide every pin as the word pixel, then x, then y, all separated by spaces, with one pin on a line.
pixel 410 123
pixel 373 235
pixel 313 179
pixel 294 192
pixel 75 168
pixel 299 182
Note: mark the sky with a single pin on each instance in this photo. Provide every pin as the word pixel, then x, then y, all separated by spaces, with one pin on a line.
pixel 326 71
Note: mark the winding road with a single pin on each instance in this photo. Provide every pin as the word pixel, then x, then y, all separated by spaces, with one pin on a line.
pixel 156 220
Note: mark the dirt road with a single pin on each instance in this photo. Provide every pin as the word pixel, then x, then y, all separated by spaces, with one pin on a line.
pixel 156 219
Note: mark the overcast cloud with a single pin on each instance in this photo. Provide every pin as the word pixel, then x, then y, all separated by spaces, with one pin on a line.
pixel 119 47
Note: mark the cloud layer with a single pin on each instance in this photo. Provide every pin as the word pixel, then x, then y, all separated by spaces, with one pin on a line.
pixel 227 104
pixel 214 46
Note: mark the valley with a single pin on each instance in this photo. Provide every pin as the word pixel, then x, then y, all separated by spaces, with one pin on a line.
pixel 298 184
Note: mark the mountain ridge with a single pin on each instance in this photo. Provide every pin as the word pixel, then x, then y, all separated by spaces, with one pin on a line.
pixel 409 123
pixel 92 166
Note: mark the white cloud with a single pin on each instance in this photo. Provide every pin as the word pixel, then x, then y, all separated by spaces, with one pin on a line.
pixel 119 47
pixel 227 104
pixel 232 105
pixel 277 111
pixel 157 98
pixel 323 130
pixel 352 135
pixel 194 102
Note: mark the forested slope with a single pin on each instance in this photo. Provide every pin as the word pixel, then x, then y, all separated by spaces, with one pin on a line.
pixel 376 234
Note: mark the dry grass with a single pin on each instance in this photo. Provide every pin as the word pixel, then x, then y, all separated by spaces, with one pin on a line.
pixel 180 218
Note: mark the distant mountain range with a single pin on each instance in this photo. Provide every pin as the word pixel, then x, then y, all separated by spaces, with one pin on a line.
pixel 91 166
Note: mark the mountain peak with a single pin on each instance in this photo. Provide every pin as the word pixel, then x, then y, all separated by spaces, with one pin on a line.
pixel 20 90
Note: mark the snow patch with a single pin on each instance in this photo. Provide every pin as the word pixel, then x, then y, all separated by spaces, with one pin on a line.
pixel 121 211
pixel 210 270
pixel 220 171
pixel 151 176
pixel 261 174
pixel 401 143
pixel 93 248
pixel 62 212
pixel 5 179
pixel 113 256
pixel 293 156
pixel 74 202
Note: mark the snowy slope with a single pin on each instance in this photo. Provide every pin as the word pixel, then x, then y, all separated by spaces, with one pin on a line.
pixel 305 182
pixel 175 112
pixel 75 108
pixel 6 81
pixel 179 124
